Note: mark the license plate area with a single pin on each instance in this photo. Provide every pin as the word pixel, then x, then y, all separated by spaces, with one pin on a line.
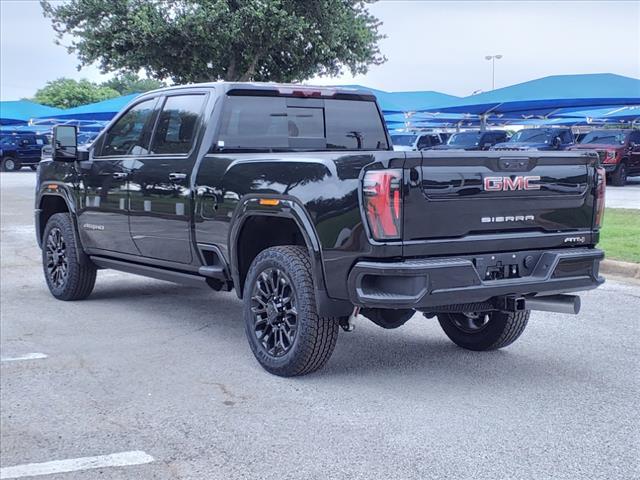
pixel 503 266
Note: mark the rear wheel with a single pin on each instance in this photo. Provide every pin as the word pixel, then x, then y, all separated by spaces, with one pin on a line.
pixel 619 176
pixel 285 332
pixel 67 278
pixel 483 330
pixel 10 164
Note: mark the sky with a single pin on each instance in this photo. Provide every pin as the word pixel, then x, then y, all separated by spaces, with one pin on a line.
pixel 430 45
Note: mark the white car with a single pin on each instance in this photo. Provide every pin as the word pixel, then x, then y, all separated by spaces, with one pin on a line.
pixel 405 142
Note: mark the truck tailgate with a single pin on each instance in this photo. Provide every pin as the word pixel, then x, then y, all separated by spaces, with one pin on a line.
pixel 458 194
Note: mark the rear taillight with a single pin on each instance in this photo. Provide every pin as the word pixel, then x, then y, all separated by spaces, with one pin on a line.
pixel 601 187
pixel 382 192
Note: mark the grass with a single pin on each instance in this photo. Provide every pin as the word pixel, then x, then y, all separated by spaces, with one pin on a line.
pixel 620 234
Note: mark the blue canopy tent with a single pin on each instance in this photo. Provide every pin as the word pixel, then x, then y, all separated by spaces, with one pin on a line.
pixel 406 102
pixel 624 114
pixel 545 96
pixel 21 111
pixel 102 111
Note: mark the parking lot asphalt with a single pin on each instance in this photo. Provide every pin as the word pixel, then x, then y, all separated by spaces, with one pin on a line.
pixel 624 197
pixel 164 373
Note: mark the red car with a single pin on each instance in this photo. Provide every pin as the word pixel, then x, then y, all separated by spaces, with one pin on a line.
pixel 619 152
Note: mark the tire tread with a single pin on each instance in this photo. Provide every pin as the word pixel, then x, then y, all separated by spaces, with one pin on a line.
pixel 321 332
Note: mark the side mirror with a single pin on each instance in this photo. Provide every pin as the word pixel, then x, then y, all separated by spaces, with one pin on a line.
pixel 24 142
pixel 557 141
pixel 65 143
pixel 632 145
pixel 487 145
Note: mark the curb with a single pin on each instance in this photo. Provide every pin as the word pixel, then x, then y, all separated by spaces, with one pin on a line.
pixel 621 269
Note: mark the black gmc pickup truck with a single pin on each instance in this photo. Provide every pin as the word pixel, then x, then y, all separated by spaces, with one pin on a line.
pixel 294 197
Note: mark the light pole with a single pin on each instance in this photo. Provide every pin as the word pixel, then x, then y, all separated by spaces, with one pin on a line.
pixel 493 59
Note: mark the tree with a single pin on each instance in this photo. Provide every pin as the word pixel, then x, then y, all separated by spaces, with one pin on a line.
pixel 205 40
pixel 128 83
pixel 68 93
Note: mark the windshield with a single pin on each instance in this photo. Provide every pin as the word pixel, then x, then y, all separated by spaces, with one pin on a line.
pixel 532 136
pixel 404 140
pixel 465 139
pixel 605 138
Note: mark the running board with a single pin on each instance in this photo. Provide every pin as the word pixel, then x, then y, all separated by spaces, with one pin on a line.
pixel 149 271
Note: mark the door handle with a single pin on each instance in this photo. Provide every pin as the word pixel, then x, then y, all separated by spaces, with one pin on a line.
pixel 119 175
pixel 176 177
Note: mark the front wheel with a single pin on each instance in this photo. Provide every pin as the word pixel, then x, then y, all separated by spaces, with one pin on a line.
pixel 286 334
pixel 10 164
pixel 619 176
pixel 67 277
pixel 483 330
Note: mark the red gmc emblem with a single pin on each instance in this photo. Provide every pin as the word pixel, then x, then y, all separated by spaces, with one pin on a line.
pixel 516 182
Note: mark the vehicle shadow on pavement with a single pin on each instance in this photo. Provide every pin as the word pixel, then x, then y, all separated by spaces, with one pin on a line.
pixel 419 349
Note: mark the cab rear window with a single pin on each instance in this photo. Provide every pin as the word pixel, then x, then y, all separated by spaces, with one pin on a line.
pixel 254 123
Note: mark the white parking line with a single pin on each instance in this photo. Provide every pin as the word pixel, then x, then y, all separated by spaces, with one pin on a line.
pixel 27 356
pixel 122 459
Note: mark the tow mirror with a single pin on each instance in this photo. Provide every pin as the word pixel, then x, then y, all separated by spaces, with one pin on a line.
pixel 65 143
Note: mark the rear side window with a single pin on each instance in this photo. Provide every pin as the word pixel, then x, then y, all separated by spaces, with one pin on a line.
pixel 283 124
pixel 176 127
pixel 130 135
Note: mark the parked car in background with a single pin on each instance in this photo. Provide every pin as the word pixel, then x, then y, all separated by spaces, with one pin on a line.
pixel 579 136
pixel 619 152
pixel 21 150
pixel 84 138
pixel 539 139
pixel 404 142
pixel 474 140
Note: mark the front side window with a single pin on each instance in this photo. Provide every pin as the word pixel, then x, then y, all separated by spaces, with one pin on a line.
pixel 276 124
pixel 176 129
pixel 130 135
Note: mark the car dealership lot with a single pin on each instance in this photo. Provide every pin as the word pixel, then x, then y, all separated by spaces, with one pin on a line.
pixel 164 370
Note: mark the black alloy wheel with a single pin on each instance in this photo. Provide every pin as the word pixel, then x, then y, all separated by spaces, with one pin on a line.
pixel 286 334
pixel 69 273
pixel 57 263
pixel 471 322
pixel 274 311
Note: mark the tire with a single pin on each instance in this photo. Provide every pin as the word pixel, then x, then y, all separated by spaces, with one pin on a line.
pixel 484 330
pixel 10 164
pixel 284 330
pixel 66 277
pixel 619 176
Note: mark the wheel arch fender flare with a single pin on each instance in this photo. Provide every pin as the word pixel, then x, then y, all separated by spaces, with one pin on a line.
pixel 59 190
pixel 286 207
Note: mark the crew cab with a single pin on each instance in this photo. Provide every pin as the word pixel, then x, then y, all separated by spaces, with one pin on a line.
pixel 619 152
pixel 474 140
pixel 538 139
pixel 293 197
pixel 21 150
pixel 411 141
